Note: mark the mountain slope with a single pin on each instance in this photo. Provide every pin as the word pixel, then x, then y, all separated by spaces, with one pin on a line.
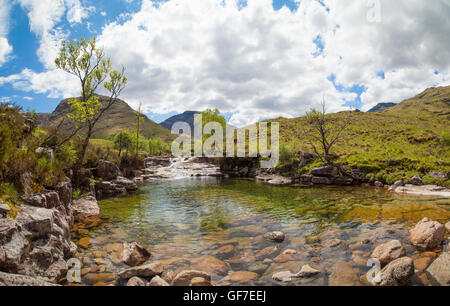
pixel 381 107
pixel 118 118
pixel 188 117
pixel 406 140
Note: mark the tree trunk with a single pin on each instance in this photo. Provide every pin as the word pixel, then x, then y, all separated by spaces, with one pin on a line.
pixel 79 163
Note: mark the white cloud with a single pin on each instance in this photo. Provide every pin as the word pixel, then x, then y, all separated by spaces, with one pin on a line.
pixel 77 12
pixel 5 48
pixel 262 63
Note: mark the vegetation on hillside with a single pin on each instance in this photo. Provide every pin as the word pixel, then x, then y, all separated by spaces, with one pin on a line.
pixel 409 139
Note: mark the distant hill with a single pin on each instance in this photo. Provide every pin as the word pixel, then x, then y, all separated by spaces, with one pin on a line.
pixel 381 107
pixel 118 118
pixel 187 116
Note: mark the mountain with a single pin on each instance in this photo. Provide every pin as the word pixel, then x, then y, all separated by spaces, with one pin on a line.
pixel 118 118
pixel 381 107
pixel 188 117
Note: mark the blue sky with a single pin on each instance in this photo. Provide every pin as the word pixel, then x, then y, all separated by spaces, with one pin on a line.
pixel 260 63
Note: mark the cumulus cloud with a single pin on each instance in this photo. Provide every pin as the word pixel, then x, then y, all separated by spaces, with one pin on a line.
pixel 5 48
pixel 260 63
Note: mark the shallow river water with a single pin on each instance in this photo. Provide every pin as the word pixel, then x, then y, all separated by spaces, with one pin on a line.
pixel 182 221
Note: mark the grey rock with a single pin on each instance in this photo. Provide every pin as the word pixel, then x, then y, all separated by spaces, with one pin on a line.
pixel 86 207
pixel 137 282
pixel 388 252
pixel 439 175
pixel 158 282
pixel 107 170
pixel 37 221
pixel 427 234
pixel 275 236
pixel 4 209
pixel 145 271
pixel 396 273
pixel 322 180
pixel 129 185
pixel 8 279
pixel 439 270
pixel 415 180
pixel 327 171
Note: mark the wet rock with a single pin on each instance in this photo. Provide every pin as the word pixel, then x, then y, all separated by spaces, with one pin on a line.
pixel 447 226
pixel 158 282
pixel 267 252
pixel 199 281
pixel 211 265
pixel 136 281
pixel 145 271
pixel 224 252
pixel 399 183
pixel 427 234
pixel 327 171
pixel 291 255
pixel 397 273
pixel 84 242
pixel 243 276
pixel 388 252
pixel 291 266
pixel 275 236
pixel 279 180
pixel 305 178
pixel 107 170
pixel 307 271
pixel 36 220
pixel 415 180
pixel 322 180
pixel 134 254
pixel 184 277
pixel 7 279
pixel 343 274
pixel 129 185
pixel 378 184
pixel 86 207
pixel 242 258
pixel 439 270
pixel 342 181
pixel 93 278
pixel 426 190
pixel 421 263
pixel 284 276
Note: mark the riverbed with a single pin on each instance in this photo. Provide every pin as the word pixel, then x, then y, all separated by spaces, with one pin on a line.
pixel 184 221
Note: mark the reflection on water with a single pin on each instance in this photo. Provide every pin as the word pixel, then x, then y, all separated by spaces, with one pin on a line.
pixel 185 219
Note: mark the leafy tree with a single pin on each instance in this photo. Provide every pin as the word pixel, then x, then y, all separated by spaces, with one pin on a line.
pixel 210 115
pixel 158 147
pixel 123 140
pixel 83 59
pixel 324 131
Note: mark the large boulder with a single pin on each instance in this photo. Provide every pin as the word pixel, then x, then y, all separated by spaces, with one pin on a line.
pixel 64 190
pixel 13 245
pixel 211 265
pixel 396 273
pixel 134 254
pixel 46 199
pixel 36 221
pixel 275 236
pixel 86 207
pixel 440 269
pixel 129 185
pixel 388 252
pixel 107 170
pixel 322 180
pixel 7 279
pixel 145 271
pixel 427 234
pixel 328 171
pixel 184 277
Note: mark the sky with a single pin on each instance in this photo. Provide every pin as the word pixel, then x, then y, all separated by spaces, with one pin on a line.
pixel 254 59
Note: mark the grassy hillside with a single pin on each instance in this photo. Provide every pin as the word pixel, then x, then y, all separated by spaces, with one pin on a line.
pixel 412 138
pixel 118 118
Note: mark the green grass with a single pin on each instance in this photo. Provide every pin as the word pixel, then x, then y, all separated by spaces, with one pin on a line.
pixel 409 139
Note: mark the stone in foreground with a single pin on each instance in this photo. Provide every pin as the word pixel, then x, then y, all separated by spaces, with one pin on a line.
pixel 184 277
pixel 397 273
pixel 388 252
pixel 427 234
pixel 440 269
pixel 275 236
pixel 134 254
pixel 145 271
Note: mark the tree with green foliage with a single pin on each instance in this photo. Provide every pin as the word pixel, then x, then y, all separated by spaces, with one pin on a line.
pixel 210 115
pixel 158 147
pixel 123 140
pixel 85 60
pixel 324 131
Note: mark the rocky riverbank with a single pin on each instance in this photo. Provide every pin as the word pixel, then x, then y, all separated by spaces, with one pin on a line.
pixel 283 260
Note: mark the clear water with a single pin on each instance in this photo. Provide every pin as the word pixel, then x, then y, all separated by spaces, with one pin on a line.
pixel 182 220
